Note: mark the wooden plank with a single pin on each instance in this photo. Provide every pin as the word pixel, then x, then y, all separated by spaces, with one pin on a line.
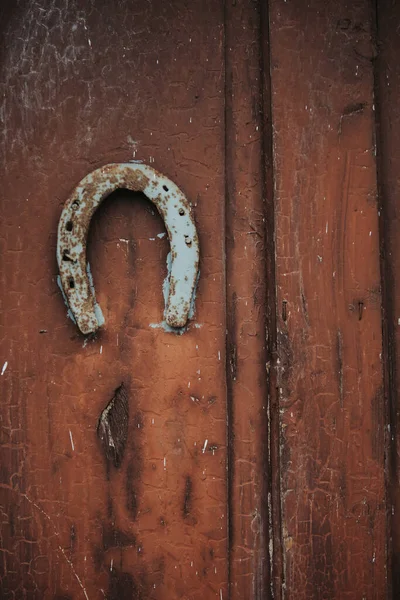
pixel 328 294
pixel 387 93
pixel 246 304
pixel 81 88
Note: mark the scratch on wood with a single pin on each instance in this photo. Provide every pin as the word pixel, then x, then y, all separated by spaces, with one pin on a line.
pixel 59 547
pixel 339 348
pixel 350 110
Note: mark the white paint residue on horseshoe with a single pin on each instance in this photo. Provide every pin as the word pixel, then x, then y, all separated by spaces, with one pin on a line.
pixel 73 229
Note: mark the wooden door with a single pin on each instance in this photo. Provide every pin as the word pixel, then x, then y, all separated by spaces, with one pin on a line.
pixel 250 454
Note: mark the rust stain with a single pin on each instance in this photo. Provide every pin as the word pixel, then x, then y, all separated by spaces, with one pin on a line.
pixel 174 208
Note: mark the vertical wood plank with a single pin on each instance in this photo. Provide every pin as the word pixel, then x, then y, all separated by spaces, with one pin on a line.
pixel 84 84
pixel 329 302
pixel 246 303
pixel 388 90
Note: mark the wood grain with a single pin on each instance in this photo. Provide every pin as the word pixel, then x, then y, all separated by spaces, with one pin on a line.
pixel 329 302
pixel 247 357
pixel 387 92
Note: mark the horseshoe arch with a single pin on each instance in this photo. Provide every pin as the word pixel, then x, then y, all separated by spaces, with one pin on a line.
pixel 73 228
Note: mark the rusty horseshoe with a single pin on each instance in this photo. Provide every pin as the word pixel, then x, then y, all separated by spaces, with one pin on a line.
pixel 73 228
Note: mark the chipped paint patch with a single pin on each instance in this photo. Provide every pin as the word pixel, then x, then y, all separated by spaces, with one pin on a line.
pixel 97 310
pixel 112 428
pixel 73 227
pixel 166 291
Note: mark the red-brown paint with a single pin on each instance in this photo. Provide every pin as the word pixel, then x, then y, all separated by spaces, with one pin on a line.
pixel 251 449
pixel 110 84
pixel 327 267
pixel 387 73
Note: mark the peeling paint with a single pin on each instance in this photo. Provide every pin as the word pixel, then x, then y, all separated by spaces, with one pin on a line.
pixel 70 314
pixel 76 280
pixel 97 310
pixel 112 428
pixel 166 292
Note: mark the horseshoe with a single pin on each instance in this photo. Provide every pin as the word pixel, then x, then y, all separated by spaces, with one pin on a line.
pixel 73 228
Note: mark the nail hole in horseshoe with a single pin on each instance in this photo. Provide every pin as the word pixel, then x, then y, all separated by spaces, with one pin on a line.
pixel 69 226
pixel 67 257
pixel 71 283
pixel 181 212
pixel 165 188
pixel 75 204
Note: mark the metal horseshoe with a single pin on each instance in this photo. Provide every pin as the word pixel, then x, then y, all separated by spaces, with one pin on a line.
pixel 73 228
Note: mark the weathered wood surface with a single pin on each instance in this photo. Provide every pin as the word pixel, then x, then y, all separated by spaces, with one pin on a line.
pixel 246 255
pixel 83 85
pixel 388 135
pixel 328 294
pixel 249 453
